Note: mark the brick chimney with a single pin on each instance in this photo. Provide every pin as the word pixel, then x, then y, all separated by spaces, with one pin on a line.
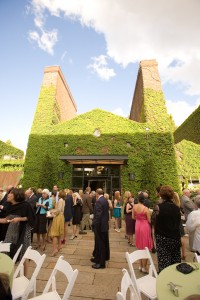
pixel 54 76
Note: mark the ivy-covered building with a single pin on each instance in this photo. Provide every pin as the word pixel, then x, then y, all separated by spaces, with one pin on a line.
pixel 98 148
pixel 187 145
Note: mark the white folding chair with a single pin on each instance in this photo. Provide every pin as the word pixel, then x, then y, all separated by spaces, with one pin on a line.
pixel 22 286
pixel 64 267
pixel 15 257
pixel 147 283
pixel 197 257
pixel 4 247
pixel 127 285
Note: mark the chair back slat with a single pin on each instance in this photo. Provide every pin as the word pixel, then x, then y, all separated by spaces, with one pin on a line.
pixel 127 287
pixel 71 275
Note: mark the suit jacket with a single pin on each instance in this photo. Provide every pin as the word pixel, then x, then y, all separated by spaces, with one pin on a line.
pixel 101 215
pixel 32 200
pixel 187 205
pixel 87 204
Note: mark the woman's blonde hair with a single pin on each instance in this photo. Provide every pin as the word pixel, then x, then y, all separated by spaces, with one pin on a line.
pixel 106 196
pixel 176 199
pixel 127 194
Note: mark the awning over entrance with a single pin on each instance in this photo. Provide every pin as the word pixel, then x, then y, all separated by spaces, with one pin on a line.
pixel 95 159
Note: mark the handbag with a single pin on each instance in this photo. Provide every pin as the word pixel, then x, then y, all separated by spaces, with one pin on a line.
pixel 49 215
pixel 184 268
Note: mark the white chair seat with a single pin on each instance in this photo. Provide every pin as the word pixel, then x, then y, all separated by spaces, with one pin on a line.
pixel 19 286
pixel 48 296
pixel 4 247
pixel 147 286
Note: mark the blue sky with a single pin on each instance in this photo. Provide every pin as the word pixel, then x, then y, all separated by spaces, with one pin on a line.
pixel 98 45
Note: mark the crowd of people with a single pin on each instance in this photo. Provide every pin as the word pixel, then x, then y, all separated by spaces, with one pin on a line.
pixel 157 226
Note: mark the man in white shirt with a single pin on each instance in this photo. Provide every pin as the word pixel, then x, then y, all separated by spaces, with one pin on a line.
pixel 193 226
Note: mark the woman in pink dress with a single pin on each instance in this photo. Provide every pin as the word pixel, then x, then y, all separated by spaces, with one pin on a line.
pixel 142 229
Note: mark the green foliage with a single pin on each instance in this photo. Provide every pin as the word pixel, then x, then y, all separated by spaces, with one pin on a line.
pixel 151 155
pixel 155 111
pixel 47 107
pixel 188 154
pixel 8 142
pixel 45 175
pixel 12 165
pixel 9 150
pixel 14 159
pixel 189 129
pixel 187 139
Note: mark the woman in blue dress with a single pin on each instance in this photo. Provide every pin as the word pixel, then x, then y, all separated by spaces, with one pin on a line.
pixel 117 211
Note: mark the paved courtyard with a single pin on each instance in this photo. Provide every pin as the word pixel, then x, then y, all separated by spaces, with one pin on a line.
pixel 92 284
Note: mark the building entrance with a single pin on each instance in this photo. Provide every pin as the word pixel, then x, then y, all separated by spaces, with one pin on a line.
pixel 95 184
pixel 106 177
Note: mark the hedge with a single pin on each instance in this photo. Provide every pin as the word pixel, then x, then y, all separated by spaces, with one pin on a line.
pixel 16 161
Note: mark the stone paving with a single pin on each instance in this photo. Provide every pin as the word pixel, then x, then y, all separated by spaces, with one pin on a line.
pixel 92 284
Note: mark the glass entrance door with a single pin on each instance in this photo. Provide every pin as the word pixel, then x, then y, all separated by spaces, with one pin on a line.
pixel 106 177
pixel 97 183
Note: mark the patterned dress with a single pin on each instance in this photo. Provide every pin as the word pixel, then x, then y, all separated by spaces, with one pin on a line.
pixel 167 234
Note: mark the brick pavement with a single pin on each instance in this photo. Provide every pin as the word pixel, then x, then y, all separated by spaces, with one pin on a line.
pixel 92 284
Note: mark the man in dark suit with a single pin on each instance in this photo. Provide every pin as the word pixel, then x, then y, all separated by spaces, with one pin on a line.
pixel 100 227
pixel 31 198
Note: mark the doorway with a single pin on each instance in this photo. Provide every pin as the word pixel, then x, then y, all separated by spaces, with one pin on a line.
pixel 95 184
pixel 107 177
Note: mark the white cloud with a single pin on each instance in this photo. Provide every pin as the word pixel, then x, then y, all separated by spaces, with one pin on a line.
pixel 135 30
pixel 100 67
pixel 180 110
pixel 45 40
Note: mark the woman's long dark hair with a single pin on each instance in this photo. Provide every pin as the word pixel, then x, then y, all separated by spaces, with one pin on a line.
pixel 19 194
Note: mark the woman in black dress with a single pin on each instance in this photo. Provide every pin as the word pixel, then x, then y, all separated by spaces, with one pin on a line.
pixel 167 229
pixel 21 217
pixel 129 221
pixel 67 213
pixel 77 214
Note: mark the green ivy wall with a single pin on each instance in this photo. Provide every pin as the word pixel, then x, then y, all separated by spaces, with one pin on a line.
pixel 188 154
pixel 189 129
pixel 151 155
